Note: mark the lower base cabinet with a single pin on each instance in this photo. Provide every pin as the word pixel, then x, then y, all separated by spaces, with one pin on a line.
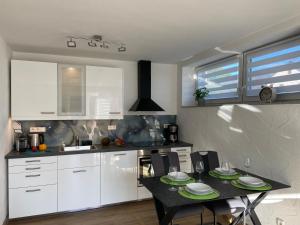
pixel 78 188
pixel 32 201
pixel 118 177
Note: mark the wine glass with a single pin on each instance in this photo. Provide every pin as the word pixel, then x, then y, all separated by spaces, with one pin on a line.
pixel 226 166
pixel 199 169
pixel 247 164
pixel 172 169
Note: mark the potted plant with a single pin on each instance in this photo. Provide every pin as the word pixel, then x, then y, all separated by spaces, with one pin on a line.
pixel 200 94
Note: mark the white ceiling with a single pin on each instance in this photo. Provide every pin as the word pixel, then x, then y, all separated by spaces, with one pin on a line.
pixel 160 30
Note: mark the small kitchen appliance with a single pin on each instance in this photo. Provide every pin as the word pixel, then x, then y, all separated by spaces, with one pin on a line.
pixel 21 144
pixel 172 133
pixel 35 140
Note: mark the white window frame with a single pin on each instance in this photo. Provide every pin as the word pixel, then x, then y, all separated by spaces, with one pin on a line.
pixel 239 92
pixel 286 97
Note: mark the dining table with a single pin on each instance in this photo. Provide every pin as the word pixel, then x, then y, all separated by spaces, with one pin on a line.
pixel 168 203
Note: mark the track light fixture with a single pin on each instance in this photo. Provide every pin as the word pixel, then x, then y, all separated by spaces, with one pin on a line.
pixel 71 43
pixel 96 41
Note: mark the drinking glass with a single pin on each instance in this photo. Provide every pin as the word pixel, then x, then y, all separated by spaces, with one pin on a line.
pixel 247 164
pixel 199 169
pixel 172 169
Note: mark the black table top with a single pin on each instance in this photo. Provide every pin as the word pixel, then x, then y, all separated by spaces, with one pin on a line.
pixel 54 151
pixel 226 189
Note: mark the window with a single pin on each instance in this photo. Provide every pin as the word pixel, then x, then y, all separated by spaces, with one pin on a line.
pixel 221 78
pixel 277 65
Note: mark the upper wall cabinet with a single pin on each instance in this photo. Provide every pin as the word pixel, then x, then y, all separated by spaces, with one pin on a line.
pixel 104 92
pixel 33 90
pixel 71 90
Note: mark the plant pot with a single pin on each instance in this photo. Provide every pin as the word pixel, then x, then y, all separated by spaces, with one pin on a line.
pixel 201 101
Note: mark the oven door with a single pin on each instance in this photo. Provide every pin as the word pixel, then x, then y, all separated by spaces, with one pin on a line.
pixel 145 168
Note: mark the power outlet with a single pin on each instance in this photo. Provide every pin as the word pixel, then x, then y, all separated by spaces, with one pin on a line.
pixel 279 221
pixel 112 127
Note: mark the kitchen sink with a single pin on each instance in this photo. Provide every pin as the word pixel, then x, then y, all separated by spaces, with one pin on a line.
pixel 79 148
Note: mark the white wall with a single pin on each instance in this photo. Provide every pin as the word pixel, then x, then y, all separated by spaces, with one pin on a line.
pixel 164 78
pixel 5 125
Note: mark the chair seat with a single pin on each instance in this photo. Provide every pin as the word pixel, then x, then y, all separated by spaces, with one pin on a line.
pixel 228 206
pixel 189 211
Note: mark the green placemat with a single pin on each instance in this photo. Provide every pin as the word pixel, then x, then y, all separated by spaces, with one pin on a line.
pixel 189 195
pixel 169 181
pixel 267 187
pixel 224 177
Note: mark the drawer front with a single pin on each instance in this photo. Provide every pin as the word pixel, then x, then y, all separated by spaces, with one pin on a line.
pixel 31 179
pixel 186 167
pixel 181 150
pixel 32 201
pixel 32 168
pixel 32 161
pixel 80 160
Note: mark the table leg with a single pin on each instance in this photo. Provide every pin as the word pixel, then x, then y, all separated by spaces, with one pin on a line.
pixel 164 216
pixel 250 209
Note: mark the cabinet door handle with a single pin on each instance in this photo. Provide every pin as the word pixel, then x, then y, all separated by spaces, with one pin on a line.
pixel 47 113
pixel 35 168
pixel 79 171
pixel 121 154
pixel 183 161
pixel 114 112
pixel 33 190
pixel 37 175
pixel 30 161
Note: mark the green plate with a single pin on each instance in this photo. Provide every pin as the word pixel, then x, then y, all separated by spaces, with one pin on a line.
pixel 224 177
pixel 167 180
pixel 267 187
pixel 189 195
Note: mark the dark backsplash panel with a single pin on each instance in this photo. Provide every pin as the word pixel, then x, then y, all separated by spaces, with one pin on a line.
pixel 131 129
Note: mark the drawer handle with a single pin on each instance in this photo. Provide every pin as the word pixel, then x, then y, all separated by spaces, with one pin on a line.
pixel 47 113
pixel 34 190
pixel 181 155
pixel 30 161
pixel 121 154
pixel 79 171
pixel 114 112
pixel 35 168
pixel 183 161
pixel 181 150
pixel 37 175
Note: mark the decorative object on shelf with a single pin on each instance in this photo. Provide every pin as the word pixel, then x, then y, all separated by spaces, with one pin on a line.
pixel 96 41
pixel 267 94
pixel 105 141
pixel 200 94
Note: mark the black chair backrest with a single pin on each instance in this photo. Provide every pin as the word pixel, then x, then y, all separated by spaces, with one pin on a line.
pixel 158 165
pixel 174 160
pixel 210 159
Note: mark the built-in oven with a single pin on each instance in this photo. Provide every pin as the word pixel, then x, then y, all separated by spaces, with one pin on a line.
pixel 144 162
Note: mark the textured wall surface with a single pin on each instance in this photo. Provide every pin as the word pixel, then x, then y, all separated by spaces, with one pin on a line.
pixel 5 129
pixel 269 135
pixel 131 129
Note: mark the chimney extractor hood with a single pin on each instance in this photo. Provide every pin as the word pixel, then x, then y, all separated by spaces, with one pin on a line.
pixel 144 101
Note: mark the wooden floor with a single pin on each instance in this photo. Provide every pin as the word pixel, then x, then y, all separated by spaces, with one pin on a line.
pixel 137 213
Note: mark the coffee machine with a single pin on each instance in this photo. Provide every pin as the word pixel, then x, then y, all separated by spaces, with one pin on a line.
pixel 171 133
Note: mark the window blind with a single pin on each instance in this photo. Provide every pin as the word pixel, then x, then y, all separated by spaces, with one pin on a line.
pixel 277 65
pixel 220 78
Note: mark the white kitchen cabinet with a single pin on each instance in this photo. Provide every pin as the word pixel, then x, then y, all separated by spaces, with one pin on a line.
pixel 184 158
pixel 32 201
pixel 33 90
pixel 118 177
pixel 104 92
pixel 71 90
pixel 78 188
pixel 78 181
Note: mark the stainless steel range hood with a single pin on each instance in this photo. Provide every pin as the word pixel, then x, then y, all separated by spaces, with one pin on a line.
pixel 144 101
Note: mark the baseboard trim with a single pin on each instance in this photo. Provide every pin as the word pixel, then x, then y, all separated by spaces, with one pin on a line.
pixel 5 222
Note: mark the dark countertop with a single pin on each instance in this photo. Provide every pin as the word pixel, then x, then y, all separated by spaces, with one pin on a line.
pixel 53 151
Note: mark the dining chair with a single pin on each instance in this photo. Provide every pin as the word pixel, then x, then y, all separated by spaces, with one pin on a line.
pixel 159 165
pixel 223 207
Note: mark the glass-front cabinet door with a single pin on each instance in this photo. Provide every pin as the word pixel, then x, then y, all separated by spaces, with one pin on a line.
pixel 71 90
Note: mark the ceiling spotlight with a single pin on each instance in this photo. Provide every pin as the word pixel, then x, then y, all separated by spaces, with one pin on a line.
pixel 122 48
pixel 71 43
pixel 92 44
